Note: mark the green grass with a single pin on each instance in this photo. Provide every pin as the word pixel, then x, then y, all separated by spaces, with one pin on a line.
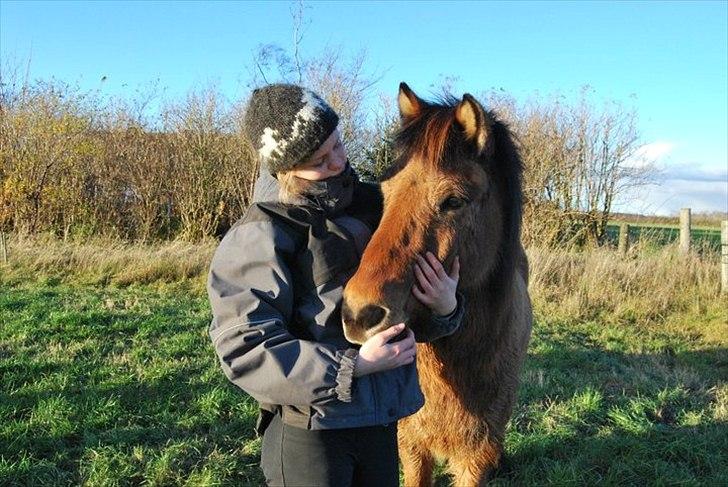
pixel 620 405
pixel 117 387
pixel 120 386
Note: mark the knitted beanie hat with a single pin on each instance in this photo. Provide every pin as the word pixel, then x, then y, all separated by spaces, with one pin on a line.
pixel 286 124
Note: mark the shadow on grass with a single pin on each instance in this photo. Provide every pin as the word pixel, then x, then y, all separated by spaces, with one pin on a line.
pixel 165 412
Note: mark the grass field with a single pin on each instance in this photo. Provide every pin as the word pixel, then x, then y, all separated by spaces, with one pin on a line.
pixel 109 379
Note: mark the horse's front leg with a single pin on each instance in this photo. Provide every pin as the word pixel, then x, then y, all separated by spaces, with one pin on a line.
pixel 473 468
pixel 417 462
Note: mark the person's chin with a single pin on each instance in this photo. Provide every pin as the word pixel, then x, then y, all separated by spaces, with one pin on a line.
pixel 341 171
pixel 333 174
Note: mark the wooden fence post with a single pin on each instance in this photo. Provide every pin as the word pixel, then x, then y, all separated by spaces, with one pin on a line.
pixel 623 238
pixel 685 230
pixel 724 256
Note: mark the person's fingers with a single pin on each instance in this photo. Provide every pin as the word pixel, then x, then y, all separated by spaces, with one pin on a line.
pixel 390 332
pixel 396 349
pixel 420 295
pixel 408 342
pixel 406 359
pixel 408 352
pixel 410 334
pixel 402 346
pixel 455 269
pixel 422 279
pixel 405 345
pixel 427 269
pixel 409 337
pixel 436 265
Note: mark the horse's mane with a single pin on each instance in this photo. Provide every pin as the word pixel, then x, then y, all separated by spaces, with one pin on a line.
pixel 507 169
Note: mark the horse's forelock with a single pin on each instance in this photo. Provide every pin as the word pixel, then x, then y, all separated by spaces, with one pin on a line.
pixel 426 137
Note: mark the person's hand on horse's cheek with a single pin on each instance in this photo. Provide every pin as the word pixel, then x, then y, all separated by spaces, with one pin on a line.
pixel 436 287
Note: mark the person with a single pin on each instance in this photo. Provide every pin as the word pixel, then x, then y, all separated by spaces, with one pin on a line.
pixel 328 408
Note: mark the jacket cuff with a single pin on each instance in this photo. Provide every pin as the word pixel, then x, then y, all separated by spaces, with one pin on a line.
pixel 451 315
pixel 447 325
pixel 345 375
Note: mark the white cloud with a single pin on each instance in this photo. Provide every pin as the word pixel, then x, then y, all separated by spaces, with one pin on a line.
pixel 691 172
pixel 649 154
pixel 701 187
pixel 668 196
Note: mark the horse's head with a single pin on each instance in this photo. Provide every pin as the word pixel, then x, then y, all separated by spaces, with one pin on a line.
pixel 454 189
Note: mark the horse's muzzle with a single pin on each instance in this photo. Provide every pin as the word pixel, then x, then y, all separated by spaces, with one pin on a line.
pixel 360 324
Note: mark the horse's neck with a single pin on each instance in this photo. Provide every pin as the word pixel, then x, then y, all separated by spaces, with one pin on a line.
pixel 487 316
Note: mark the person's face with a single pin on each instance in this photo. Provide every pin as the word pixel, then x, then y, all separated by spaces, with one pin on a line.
pixel 329 160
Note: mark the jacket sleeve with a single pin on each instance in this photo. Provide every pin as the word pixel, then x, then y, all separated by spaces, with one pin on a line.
pixel 442 326
pixel 251 295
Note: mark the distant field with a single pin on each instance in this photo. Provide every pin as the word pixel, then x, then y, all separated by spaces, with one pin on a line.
pixel 704 238
pixel 108 378
pixel 700 220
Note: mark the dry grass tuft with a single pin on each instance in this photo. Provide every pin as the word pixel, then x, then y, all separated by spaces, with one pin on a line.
pixel 107 261
pixel 645 285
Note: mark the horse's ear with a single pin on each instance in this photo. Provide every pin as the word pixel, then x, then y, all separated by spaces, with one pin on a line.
pixel 410 104
pixel 474 121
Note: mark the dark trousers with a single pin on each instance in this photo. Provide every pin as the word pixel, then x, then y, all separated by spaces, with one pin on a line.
pixel 295 457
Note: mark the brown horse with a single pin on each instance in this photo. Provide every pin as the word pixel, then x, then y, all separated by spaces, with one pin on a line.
pixel 455 189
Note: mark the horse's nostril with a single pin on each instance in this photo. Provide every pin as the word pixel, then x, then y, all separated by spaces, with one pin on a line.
pixel 367 317
pixel 371 315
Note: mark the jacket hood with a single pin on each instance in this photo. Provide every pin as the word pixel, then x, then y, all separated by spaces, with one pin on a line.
pixel 267 189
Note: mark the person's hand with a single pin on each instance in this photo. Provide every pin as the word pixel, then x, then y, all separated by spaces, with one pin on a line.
pixel 436 287
pixel 376 355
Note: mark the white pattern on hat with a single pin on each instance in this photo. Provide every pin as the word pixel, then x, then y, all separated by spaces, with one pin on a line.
pixel 304 115
pixel 269 144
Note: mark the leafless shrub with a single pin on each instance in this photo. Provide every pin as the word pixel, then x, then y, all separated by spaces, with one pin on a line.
pixel 43 142
pixel 76 164
pixel 379 153
pixel 209 163
pixel 578 161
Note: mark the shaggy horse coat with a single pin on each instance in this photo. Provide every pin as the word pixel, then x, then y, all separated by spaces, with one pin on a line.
pixel 455 189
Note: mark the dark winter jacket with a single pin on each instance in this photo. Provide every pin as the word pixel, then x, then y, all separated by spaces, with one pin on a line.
pixel 275 287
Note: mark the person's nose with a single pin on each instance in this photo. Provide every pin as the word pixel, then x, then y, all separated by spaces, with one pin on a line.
pixel 337 163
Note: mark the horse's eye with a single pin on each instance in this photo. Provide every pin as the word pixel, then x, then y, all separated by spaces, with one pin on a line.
pixel 453 203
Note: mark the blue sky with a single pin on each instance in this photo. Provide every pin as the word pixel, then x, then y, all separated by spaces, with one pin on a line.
pixel 668 59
